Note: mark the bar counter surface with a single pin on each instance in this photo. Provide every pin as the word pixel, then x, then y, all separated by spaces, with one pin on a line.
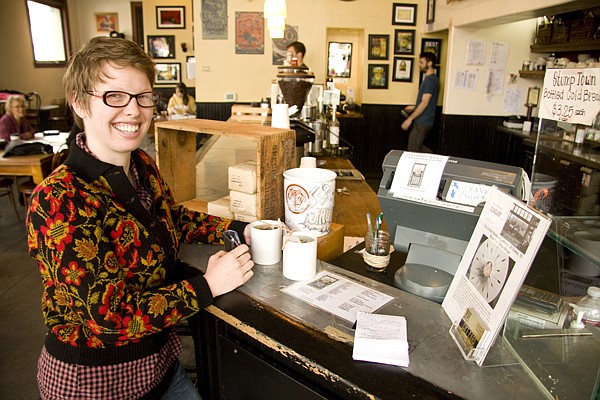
pixel 261 342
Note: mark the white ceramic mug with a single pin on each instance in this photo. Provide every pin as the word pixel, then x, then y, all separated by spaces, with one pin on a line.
pixel 265 241
pixel 300 257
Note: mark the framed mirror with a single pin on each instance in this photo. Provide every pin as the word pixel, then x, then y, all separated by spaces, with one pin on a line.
pixel 339 60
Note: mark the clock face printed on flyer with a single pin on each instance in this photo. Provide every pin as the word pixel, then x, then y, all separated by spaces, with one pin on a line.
pixel 488 270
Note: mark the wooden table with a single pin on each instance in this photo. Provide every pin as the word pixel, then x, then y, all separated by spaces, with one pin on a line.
pixel 352 205
pixel 35 165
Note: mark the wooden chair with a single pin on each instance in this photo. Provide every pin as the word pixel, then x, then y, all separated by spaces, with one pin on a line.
pixel 60 118
pixel 26 188
pixel 6 189
pixel 34 102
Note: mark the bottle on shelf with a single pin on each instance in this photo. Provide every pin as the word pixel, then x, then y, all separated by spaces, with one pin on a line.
pixel 334 131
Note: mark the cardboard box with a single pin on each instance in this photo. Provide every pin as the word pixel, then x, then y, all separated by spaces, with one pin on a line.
pixel 220 208
pixel 331 245
pixel 242 203
pixel 242 177
pixel 244 218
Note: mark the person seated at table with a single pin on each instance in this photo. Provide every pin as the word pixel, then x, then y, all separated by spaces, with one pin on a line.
pixel 181 102
pixel 105 230
pixel 14 122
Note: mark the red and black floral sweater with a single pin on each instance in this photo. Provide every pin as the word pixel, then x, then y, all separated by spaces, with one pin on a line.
pixel 109 266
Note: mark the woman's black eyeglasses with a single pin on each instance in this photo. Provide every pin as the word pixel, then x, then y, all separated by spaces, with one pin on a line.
pixel 117 99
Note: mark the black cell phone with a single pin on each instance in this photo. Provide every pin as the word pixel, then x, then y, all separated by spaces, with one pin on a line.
pixel 231 239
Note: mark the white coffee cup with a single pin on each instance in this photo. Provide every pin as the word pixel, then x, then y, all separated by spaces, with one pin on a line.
pixel 308 162
pixel 300 257
pixel 265 241
pixel 280 117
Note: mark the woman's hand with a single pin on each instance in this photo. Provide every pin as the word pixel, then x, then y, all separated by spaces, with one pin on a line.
pixel 247 235
pixel 228 270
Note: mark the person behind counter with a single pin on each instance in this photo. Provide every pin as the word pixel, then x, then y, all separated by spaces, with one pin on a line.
pixel 422 116
pixel 298 51
pixel 181 102
pixel 105 231
pixel 14 122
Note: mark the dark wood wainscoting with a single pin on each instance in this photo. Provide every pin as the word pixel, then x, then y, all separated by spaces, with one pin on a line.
pixel 471 136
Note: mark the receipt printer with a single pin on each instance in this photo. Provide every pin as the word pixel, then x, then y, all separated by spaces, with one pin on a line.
pixel 434 231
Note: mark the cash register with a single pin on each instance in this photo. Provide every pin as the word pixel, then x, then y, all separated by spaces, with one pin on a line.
pixel 434 230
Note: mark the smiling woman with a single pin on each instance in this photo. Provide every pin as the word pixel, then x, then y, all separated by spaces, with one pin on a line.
pixel 49 32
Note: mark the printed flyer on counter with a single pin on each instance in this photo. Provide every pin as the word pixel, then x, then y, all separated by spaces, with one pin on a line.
pixel 497 259
pixel 338 295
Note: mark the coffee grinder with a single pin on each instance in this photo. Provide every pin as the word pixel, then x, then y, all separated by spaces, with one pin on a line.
pixel 295 84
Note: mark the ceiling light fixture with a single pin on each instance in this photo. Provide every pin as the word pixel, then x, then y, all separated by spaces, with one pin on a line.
pixel 275 11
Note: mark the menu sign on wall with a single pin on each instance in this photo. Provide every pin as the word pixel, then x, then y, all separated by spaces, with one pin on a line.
pixel 571 95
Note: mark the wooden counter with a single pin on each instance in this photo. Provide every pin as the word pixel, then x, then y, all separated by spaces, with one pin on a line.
pixel 351 205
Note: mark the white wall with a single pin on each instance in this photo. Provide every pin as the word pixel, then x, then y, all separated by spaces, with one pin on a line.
pixel 86 18
pixel 220 70
pixel 518 35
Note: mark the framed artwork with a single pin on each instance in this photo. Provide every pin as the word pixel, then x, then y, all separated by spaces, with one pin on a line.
pixel 107 22
pixel 378 47
pixel 403 69
pixel 433 46
pixel 378 76
pixel 430 17
pixel 170 17
pixel 290 34
pixel 214 19
pixel 161 46
pixel 404 42
pixel 168 73
pixel 422 74
pixel 249 33
pixel 404 14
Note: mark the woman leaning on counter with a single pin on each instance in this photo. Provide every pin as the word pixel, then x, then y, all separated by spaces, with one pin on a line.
pixel 14 122
pixel 105 231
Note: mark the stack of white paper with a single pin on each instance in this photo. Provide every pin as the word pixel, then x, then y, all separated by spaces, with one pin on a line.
pixel 381 339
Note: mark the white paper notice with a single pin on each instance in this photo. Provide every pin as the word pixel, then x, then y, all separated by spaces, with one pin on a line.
pixel 495 83
pixel 571 95
pixel 466 79
pixel 338 295
pixel 476 52
pixel 512 101
pixel 499 55
pixel 381 339
pixel 418 175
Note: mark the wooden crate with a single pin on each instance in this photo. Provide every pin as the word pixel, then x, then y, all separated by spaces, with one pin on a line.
pixel 228 143
pixel 250 115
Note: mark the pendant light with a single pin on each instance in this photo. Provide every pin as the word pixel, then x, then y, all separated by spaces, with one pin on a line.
pixel 275 12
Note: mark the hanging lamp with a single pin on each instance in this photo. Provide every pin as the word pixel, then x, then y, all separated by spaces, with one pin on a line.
pixel 275 11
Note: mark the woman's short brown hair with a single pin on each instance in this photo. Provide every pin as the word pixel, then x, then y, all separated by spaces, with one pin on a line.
pixel 86 66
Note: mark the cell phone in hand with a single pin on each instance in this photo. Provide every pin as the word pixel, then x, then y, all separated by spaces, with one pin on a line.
pixel 231 239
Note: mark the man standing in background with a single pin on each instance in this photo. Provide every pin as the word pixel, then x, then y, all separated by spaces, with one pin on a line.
pixel 422 115
pixel 298 50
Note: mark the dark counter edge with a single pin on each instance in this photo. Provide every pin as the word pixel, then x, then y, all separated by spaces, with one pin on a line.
pixel 305 353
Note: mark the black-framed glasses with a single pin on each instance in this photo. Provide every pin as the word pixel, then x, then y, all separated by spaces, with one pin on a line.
pixel 118 99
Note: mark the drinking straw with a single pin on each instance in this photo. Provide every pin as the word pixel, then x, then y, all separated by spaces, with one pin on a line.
pixel 369 224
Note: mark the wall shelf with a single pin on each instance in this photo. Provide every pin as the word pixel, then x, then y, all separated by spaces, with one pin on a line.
pixel 532 74
pixel 566 47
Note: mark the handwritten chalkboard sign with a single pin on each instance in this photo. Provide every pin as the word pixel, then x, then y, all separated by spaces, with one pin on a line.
pixel 571 95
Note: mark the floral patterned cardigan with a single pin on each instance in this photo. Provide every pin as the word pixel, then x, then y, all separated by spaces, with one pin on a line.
pixel 109 266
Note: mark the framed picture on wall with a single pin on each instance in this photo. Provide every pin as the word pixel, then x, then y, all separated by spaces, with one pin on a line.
pixel 249 33
pixel 170 17
pixel 403 69
pixel 161 46
pixel 404 14
pixel 404 42
pixel 433 46
pixel 107 21
pixel 430 17
pixel 378 47
pixel 168 73
pixel 378 76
